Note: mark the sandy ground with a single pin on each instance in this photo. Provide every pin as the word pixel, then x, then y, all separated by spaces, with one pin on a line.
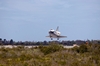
pixel 10 46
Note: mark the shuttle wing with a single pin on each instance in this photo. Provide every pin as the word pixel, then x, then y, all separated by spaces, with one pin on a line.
pixel 58 36
pixel 47 36
pixel 62 36
pixel 52 36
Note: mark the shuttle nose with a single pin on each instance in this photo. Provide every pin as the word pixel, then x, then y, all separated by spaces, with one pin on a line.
pixel 51 32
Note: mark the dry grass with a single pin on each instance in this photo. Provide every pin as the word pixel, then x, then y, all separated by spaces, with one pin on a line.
pixel 85 55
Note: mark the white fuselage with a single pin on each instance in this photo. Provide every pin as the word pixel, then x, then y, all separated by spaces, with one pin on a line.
pixel 54 34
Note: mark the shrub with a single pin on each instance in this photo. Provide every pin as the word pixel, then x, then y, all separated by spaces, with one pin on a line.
pixel 50 48
pixel 83 48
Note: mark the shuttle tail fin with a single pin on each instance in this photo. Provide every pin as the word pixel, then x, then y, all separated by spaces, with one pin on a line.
pixel 57 28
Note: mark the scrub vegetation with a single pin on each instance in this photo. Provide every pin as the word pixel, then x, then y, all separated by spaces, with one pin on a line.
pixel 52 55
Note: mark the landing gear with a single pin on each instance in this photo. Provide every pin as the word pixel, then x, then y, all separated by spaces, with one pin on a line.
pixel 57 38
pixel 51 38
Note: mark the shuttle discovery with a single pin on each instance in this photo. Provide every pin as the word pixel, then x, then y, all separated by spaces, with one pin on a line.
pixel 55 34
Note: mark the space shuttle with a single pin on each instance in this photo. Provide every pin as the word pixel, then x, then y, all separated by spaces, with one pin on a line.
pixel 55 34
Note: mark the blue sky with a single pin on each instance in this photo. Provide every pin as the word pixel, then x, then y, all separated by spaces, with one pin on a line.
pixel 30 20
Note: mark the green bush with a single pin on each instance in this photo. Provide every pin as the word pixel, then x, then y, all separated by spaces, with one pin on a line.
pixel 51 55
pixel 50 48
pixel 82 49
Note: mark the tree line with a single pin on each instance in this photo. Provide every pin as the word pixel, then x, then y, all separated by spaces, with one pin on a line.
pixel 67 42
